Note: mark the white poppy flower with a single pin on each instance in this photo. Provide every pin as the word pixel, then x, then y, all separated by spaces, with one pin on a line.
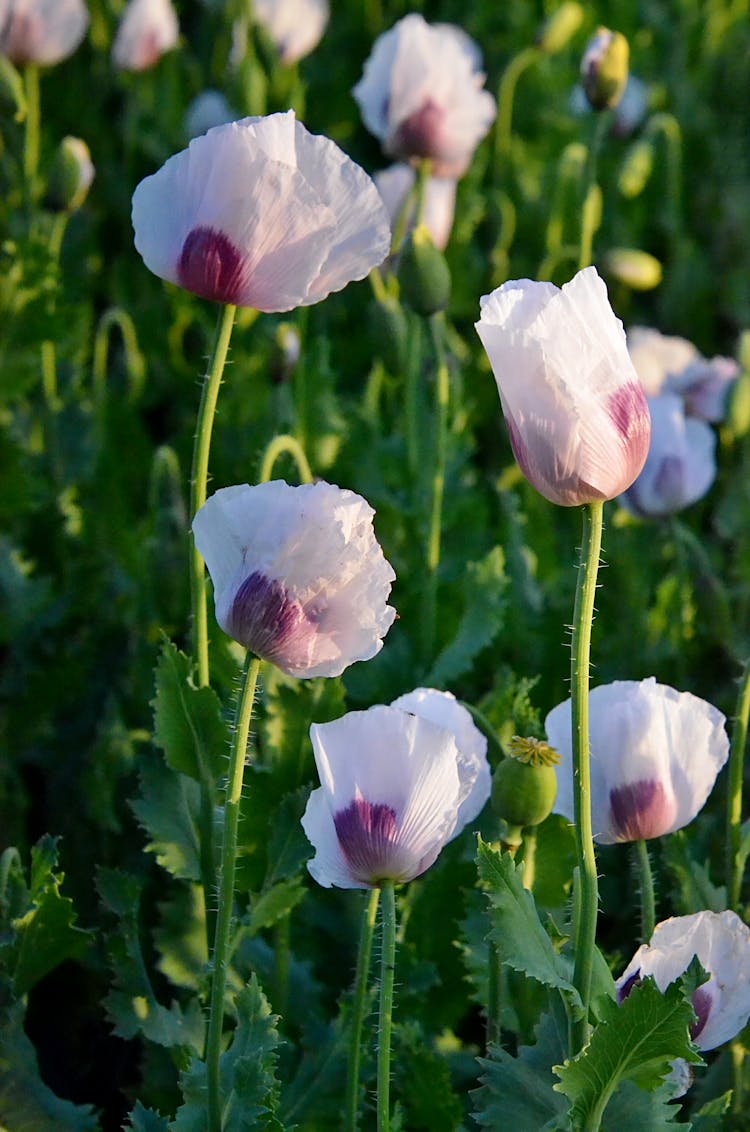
pixel 421 94
pixel 392 787
pixel 298 575
pixel 396 183
pixel 669 364
pixel 575 409
pixel 147 29
pixel 260 213
pixel 295 26
pixel 444 709
pixel 41 31
pixel 208 109
pixel 721 942
pixel 655 755
pixel 681 462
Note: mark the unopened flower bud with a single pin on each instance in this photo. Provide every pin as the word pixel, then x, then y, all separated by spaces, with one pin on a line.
pixel 70 177
pixel 738 407
pixel 423 273
pixel 604 69
pixel 560 27
pixel 390 331
pixel 638 270
pixel 524 785
pixel 636 168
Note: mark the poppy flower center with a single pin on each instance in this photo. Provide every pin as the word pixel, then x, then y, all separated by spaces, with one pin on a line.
pixel 271 622
pixel 640 810
pixel 211 266
pixel 702 1003
pixel 420 135
pixel 367 835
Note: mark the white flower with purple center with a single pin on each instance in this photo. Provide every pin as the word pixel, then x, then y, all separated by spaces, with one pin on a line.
pixel 392 789
pixel 444 709
pixel 681 462
pixel 395 185
pixel 721 941
pixel 41 31
pixel 669 364
pixel 421 94
pixel 147 29
pixel 655 755
pixel 260 213
pixel 299 577
pixel 295 26
pixel 576 412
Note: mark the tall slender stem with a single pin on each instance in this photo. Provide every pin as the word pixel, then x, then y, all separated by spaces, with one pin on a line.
pixel 31 139
pixel 434 538
pixel 588 892
pixel 199 481
pixel 590 196
pixel 646 886
pixel 387 972
pixel 505 97
pixel 220 956
pixel 280 444
pixel 367 929
pixel 734 789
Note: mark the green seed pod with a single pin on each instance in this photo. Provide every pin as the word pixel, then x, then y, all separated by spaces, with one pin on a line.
pixel 560 27
pixel 638 270
pixel 424 275
pixel 604 69
pixel 524 785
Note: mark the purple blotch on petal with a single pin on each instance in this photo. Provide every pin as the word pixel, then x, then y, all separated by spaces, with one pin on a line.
pixel 367 833
pixel 640 810
pixel 540 463
pixel 211 266
pixel 627 986
pixel 702 1003
pixel 419 135
pixel 266 619
pixel 628 410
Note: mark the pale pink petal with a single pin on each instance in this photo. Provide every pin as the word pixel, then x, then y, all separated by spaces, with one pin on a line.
pixel 147 29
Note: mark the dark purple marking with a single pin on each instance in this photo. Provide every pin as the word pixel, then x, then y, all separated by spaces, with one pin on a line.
pixel 367 835
pixel 702 1003
pixel 419 135
pixel 211 266
pixel 538 460
pixel 627 986
pixel 270 622
pixel 640 810
pixel 628 411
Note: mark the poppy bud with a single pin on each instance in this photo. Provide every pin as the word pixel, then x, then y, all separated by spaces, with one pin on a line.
pixel 604 69
pixel 524 785
pixel 70 177
pixel 423 273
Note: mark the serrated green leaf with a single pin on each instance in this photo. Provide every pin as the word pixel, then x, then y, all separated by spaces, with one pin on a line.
pixel 634 1110
pixel 188 723
pixel 45 934
pixel 518 1092
pixel 168 808
pixel 708 1118
pixel 131 1003
pixel 637 1041
pixel 248 1073
pixel 146 1120
pixel 485 600
pixel 517 930
pixel 275 903
pixel 26 1103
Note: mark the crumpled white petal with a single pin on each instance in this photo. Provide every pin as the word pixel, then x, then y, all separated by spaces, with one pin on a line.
pixel 295 26
pixel 260 213
pixel 421 94
pixel 41 31
pixel 655 755
pixel 681 463
pixel 389 797
pixel 299 577
pixel 147 29
pixel 576 411
pixel 721 942
pixel 444 709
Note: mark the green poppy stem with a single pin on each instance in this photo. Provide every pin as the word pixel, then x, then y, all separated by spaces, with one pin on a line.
pixel 646 886
pixel 387 972
pixel 367 930
pixel 587 891
pixel 735 780
pixel 220 956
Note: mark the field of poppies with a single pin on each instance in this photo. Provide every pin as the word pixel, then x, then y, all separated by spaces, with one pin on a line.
pixel 374 565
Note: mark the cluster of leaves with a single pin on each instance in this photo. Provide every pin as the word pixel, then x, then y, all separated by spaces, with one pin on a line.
pixel 93 576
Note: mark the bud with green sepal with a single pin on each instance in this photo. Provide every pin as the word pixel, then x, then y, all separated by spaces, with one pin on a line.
pixel 639 270
pixel 70 176
pixel 423 273
pixel 559 28
pixel 524 786
pixel 604 69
